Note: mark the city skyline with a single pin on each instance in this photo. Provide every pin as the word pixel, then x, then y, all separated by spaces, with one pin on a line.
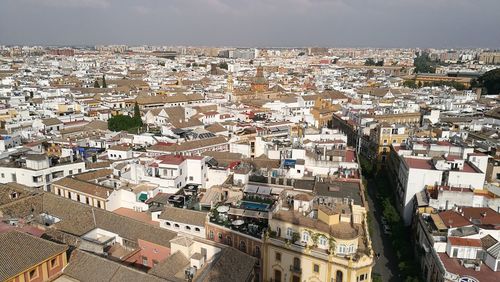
pixel 336 23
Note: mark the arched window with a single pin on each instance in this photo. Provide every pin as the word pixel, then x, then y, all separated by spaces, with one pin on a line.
pixel 322 241
pixel 168 223
pixel 176 225
pixel 188 228
pixel 211 235
pixel 256 251
pixel 341 249
pixel 339 276
pixel 243 246
pixel 197 229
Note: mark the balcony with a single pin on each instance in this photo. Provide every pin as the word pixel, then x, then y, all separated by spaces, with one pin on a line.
pixel 295 269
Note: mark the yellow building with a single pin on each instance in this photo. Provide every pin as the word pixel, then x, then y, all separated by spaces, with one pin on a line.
pixel 323 111
pixel 383 135
pixel 89 193
pixel 311 242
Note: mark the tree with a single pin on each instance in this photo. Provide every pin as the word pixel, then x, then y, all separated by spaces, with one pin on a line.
pixel 223 65
pixel 370 62
pixel 490 81
pixel 96 84
pixel 137 115
pixel 423 64
pixel 104 85
pixel 410 84
pixel 123 122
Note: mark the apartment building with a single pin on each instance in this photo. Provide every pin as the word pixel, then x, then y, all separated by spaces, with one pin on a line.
pixel 322 238
pixel 37 170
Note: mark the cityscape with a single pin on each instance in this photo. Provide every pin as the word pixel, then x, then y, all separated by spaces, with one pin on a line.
pixel 209 158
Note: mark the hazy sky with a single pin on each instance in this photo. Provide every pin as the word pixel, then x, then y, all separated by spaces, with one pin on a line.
pixel 260 23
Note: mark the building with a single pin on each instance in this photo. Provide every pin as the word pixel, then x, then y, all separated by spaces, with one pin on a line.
pixel 24 257
pixel 385 134
pixel 324 242
pixel 38 170
pixel 92 194
pixel 183 221
pixel 458 245
pixel 259 83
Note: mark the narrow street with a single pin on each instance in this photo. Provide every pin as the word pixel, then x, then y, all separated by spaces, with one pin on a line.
pixel 387 264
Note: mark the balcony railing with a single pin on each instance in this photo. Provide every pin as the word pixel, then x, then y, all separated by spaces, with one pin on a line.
pixel 295 269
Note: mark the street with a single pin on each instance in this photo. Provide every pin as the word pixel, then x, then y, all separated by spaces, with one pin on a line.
pixel 387 264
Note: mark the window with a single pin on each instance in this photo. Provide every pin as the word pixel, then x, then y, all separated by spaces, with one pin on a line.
pixel 243 246
pixel 168 223
pixel 191 178
pixel 305 236
pixel 322 241
pixel 3 175
pixel 54 263
pixel 339 276
pixel 211 235
pixel 296 263
pixel 362 277
pixel 187 228
pixel 277 275
pixel 155 263
pixel 70 171
pixel 197 229
pixel 316 268
pixel 145 261
pixel 341 249
pixel 79 170
pixel 78 197
pixel 219 236
pixel 176 226
pixel 99 204
pixel 33 274
pixel 289 233
pixel 256 251
pixel 277 256
pixel 87 200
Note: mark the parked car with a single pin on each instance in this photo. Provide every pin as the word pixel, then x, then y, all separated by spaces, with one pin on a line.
pixel 387 230
pixel 383 220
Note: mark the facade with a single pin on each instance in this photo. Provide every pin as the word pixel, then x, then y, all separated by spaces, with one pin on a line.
pixel 37 171
pixel 91 194
pixel 383 135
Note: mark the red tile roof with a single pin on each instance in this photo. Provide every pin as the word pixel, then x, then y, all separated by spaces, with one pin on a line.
pixel 453 219
pixel 171 159
pixel 483 215
pixel 418 163
pixel 453 265
pixel 457 241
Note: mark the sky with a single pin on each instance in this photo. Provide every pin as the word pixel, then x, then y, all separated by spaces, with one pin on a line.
pixel 253 23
